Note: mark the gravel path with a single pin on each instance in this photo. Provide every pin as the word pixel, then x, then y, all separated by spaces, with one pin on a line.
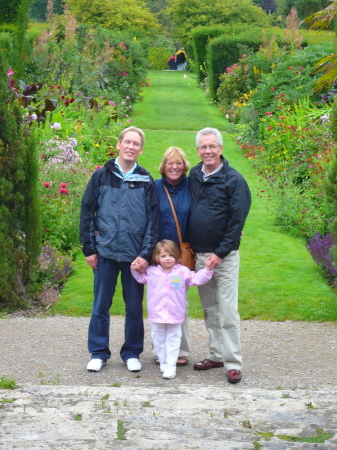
pixel 53 350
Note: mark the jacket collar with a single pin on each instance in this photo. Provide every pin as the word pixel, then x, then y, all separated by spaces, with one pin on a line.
pixel 177 187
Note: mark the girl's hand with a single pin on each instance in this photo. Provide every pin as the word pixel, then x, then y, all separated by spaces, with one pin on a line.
pixel 135 267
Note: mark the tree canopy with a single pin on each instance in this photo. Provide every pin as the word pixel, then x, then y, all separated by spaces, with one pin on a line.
pixel 188 14
pixel 115 14
pixel 304 7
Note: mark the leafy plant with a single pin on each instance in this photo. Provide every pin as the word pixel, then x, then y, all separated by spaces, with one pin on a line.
pixel 7 383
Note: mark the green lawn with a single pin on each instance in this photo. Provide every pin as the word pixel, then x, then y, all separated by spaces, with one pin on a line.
pixel 278 278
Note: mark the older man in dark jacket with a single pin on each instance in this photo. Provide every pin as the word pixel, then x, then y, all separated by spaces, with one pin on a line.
pixel 220 204
pixel 119 227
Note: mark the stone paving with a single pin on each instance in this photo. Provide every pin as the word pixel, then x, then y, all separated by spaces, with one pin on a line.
pixel 171 417
pixel 287 399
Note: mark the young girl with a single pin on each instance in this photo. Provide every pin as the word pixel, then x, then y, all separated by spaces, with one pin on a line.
pixel 167 284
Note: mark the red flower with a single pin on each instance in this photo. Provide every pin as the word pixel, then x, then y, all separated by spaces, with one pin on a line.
pixel 291 68
pixel 282 117
pixel 63 185
pixel 269 113
pixel 47 184
pixel 63 191
pixel 97 167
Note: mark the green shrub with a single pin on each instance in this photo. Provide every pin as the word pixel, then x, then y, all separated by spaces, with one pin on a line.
pixel 222 52
pixel 158 57
pixel 200 38
pixel 9 11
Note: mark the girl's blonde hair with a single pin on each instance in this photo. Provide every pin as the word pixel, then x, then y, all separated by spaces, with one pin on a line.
pixel 174 153
pixel 168 246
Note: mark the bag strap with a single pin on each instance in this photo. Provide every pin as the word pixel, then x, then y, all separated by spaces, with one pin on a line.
pixel 174 215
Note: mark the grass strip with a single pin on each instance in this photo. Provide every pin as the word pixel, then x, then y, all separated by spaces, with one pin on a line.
pixel 278 278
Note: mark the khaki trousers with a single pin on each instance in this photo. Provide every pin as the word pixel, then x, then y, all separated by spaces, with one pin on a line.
pixel 219 299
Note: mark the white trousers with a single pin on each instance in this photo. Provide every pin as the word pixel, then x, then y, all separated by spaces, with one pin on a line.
pixel 166 339
pixel 219 299
pixel 185 342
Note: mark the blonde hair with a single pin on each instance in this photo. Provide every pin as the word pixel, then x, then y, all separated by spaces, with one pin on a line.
pixel 168 246
pixel 174 152
pixel 137 130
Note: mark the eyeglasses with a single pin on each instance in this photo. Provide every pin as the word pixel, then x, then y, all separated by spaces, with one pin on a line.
pixel 205 147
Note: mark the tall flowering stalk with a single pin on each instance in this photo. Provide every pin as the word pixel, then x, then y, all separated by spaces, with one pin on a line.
pixel 320 248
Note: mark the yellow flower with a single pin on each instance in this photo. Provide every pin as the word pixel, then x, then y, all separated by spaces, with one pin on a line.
pixel 96 145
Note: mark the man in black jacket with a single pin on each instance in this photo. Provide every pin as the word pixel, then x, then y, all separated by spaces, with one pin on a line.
pixel 220 204
pixel 119 227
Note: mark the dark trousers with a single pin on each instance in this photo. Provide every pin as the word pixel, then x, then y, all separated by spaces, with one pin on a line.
pixel 105 280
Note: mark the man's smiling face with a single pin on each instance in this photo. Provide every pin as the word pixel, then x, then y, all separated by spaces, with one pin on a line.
pixel 209 151
pixel 130 147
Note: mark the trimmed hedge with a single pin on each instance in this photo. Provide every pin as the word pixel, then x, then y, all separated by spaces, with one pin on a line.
pixel 9 11
pixel 224 51
pixel 200 38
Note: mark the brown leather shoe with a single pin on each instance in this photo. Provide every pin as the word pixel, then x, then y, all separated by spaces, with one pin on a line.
pixel 207 364
pixel 234 376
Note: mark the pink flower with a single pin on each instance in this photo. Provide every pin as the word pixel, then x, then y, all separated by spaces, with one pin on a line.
pixel 46 184
pixel 124 74
pixel 10 72
pixel 63 185
pixel 291 68
pixel 97 167
pixel 63 191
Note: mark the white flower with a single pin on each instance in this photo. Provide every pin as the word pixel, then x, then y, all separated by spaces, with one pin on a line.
pixel 56 126
pixel 33 116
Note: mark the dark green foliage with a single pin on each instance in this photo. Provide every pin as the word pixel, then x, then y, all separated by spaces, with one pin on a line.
pixel 38 9
pixel 225 51
pixel 22 24
pixel 12 156
pixel 19 225
pixel 7 45
pixel 200 38
pixel 31 225
pixel 331 181
pixel 9 11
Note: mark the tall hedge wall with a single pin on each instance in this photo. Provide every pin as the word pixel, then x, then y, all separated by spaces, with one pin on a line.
pixel 200 38
pixel 224 51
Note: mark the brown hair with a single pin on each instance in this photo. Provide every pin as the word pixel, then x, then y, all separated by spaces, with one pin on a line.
pixel 167 245
pixel 174 152
pixel 137 130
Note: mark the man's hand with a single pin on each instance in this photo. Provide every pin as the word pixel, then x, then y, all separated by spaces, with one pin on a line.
pixel 212 261
pixel 141 263
pixel 92 260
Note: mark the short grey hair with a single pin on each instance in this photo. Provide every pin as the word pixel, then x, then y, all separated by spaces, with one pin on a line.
pixel 137 130
pixel 209 130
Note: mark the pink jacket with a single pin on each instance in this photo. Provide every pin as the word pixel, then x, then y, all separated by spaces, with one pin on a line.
pixel 166 291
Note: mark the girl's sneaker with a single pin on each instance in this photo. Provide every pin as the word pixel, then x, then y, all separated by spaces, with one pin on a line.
pixel 170 372
pixel 163 367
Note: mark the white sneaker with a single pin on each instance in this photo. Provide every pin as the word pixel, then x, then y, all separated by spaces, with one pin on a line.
pixel 133 364
pixel 95 365
pixel 170 372
pixel 163 367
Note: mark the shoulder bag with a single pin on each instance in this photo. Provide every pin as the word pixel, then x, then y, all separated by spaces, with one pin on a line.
pixel 187 255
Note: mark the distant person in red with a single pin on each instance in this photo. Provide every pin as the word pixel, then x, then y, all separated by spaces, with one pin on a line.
pixel 172 63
